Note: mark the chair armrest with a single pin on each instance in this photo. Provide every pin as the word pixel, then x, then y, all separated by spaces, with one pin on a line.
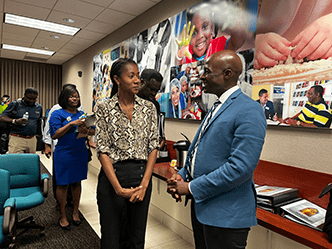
pixel 9 217
pixel 44 184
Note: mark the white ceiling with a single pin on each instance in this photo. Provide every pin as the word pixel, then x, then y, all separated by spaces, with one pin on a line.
pixel 96 18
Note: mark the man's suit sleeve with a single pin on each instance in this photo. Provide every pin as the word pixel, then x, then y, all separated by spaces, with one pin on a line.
pixel 233 152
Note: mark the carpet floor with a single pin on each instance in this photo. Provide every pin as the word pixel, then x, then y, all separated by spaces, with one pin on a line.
pixel 46 214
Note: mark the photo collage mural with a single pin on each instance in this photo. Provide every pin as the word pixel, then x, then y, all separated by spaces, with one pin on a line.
pixel 269 41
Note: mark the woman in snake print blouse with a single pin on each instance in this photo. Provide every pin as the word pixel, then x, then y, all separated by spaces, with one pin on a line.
pixel 127 142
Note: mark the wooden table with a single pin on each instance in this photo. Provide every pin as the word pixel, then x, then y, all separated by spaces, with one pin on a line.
pixel 309 183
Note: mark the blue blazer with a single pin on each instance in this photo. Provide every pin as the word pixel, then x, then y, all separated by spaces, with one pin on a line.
pixel 227 155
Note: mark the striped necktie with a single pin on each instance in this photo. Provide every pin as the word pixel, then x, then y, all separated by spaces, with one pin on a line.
pixel 206 121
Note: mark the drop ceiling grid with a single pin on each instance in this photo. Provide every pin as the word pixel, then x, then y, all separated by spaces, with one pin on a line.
pixel 96 18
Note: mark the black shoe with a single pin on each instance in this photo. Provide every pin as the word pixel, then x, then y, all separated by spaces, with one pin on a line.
pixel 66 228
pixel 77 222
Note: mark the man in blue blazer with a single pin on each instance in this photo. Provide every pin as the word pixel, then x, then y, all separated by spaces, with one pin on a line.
pixel 221 160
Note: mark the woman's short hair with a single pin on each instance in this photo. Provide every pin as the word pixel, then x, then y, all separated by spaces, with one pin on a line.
pixel 65 94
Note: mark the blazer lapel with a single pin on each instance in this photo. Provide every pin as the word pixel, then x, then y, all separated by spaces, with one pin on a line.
pixel 223 107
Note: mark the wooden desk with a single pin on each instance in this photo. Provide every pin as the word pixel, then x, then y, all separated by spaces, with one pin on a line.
pixel 163 171
pixel 309 183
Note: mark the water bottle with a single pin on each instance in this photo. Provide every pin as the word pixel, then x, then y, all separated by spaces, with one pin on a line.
pixel 25 116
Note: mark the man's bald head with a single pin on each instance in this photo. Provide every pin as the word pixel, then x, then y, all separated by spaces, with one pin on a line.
pixel 228 59
pixel 221 72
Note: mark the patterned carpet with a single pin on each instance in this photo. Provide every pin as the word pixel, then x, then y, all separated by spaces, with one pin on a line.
pixel 79 237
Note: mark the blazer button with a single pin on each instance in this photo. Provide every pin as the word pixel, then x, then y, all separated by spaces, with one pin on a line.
pixel 141 175
pixel 142 167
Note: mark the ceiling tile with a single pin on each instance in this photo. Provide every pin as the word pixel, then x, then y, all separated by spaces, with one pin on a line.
pixel 58 60
pixel 48 4
pixel 47 35
pixel 12 54
pixel 1 5
pixel 82 42
pixel 17 42
pixel 101 27
pixel 22 39
pixel 53 45
pixel 14 29
pixel 78 8
pixel 131 7
pixel 59 55
pixel 58 17
pixel 71 48
pixel 1 16
pixel 90 35
pixel 103 3
pixel 26 10
pixel 68 51
pixel 112 16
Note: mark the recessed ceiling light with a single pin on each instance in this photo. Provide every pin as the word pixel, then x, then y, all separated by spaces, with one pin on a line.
pixel 39 24
pixel 28 50
pixel 69 20
pixel 55 36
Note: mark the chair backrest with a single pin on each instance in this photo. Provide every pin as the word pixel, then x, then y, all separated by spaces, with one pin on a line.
pixel 24 169
pixel 4 188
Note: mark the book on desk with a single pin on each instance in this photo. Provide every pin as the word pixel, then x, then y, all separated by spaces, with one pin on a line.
pixel 306 213
pixel 272 195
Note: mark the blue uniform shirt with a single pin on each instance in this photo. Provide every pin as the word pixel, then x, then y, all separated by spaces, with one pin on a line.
pixel 35 112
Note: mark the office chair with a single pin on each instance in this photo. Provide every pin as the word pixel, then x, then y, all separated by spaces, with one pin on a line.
pixel 7 208
pixel 27 186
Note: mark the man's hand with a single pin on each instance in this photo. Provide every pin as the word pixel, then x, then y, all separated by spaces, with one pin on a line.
pixel 48 150
pixel 177 187
pixel 291 121
pixel 21 121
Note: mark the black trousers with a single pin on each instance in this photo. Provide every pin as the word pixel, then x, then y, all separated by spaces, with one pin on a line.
pixel 123 224
pixel 210 237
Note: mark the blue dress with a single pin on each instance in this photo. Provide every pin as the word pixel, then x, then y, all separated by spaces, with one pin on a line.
pixel 70 154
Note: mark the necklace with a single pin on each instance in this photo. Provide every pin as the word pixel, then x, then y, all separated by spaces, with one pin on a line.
pixel 127 108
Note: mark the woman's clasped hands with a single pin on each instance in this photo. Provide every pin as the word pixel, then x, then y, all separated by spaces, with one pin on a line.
pixel 133 194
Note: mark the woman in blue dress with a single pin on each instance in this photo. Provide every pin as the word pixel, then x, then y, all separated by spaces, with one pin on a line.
pixel 70 154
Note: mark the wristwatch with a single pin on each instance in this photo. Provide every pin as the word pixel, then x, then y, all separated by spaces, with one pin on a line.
pixel 298 123
pixel 14 121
